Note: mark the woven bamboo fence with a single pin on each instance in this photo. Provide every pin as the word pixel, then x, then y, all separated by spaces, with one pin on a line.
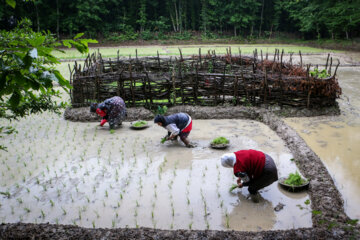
pixel 206 80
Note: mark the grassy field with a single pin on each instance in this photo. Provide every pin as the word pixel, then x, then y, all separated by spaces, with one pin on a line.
pixel 187 50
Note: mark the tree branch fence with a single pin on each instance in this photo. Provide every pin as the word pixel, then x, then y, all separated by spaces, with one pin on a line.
pixel 206 80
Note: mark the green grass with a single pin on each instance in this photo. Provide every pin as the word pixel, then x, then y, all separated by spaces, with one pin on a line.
pixel 107 52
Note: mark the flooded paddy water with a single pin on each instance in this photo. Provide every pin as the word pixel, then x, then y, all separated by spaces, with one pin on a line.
pixel 336 139
pixel 65 172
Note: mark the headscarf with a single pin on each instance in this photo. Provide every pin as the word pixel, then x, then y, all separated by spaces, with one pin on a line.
pixel 100 112
pixel 228 160
pixel 160 118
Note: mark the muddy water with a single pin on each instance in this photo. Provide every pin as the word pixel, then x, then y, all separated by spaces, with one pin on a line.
pixel 79 173
pixel 336 140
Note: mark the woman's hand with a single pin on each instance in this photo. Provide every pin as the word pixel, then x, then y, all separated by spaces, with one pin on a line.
pixel 239 183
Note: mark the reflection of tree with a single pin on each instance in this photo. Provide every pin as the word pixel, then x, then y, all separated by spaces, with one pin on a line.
pixel 249 216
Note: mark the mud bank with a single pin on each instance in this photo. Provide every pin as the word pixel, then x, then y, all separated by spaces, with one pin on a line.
pixel 48 231
pixel 197 112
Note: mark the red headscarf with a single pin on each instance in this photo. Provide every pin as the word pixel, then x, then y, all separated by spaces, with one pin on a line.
pixel 100 112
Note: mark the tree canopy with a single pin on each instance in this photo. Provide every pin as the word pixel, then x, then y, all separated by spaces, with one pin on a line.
pixel 311 18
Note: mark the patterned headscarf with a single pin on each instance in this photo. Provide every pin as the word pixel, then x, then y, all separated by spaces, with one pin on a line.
pixel 228 160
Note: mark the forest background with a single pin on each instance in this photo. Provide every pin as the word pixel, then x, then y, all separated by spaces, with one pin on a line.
pixel 169 21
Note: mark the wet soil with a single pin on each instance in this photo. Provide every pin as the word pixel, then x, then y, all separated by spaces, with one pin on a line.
pixel 48 231
pixel 328 217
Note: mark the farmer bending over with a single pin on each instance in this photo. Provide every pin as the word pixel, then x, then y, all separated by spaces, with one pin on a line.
pixel 178 124
pixel 112 110
pixel 253 168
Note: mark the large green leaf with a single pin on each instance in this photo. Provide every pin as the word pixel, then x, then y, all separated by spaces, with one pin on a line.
pixel 79 35
pixel 15 99
pixel 12 3
pixel 62 81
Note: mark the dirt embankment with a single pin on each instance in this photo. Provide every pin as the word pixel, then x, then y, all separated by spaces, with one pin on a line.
pixel 329 219
pixel 197 112
pixel 47 231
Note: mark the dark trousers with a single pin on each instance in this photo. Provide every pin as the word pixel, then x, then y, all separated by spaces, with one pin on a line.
pixel 268 176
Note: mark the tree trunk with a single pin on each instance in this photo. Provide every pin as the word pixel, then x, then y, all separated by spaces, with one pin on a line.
pixel 180 16
pixel 235 31
pixel 271 31
pixel 176 17
pixel 37 17
pixel 261 18
pixel 57 19
pixel 173 22
pixel 347 35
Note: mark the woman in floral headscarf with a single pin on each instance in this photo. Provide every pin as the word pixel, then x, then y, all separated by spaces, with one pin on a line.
pixel 112 110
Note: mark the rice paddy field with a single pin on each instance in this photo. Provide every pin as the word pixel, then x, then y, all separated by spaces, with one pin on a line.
pixel 76 173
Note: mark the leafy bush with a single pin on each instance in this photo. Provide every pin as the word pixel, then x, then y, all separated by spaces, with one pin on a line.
pixel 147 35
pixel 319 74
pixel 161 110
pixel 220 140
pixel 209 36
pixel 182 36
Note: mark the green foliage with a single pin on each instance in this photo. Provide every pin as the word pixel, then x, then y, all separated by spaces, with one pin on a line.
pixel 352 222
pixel 234 186
pixel 316 212
pixel 294 179
pixel 139 123
pixel 163 140
pixel 182 36
pixel 242 19
pixel 27 72
pixel 161 110
pixel 319 74
pixel 147 35
pixel 220 140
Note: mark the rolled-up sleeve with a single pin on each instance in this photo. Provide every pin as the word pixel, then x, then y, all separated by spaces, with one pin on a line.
pixel 173 129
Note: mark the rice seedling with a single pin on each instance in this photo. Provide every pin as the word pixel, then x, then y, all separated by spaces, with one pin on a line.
pixel 113 224
pixel 93 223
pixel 190 225
pixel 52 203
pixel 227 220
pixel 42 214
pixel 37 199
pixel 12 210
pixel 64 211
pixel 207 224
pixel 97 214
pixel 27 210
pixel 20 201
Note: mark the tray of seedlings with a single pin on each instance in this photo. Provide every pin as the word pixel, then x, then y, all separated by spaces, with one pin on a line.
pixel 294 183
pixel 140 124
pixel 220 143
